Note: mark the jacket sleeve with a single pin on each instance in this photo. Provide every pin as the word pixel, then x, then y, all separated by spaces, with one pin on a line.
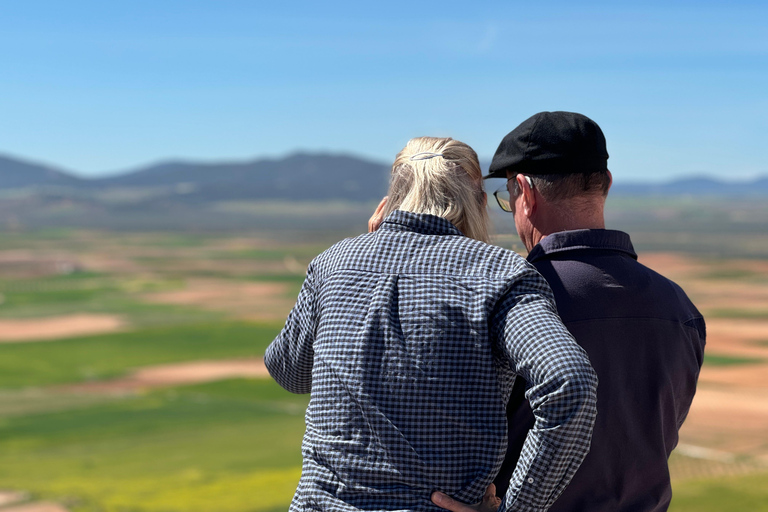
pixel 290 356
pixel 697 334
pixel 562 392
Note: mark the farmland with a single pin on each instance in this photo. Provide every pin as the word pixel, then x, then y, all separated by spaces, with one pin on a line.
pixel 131 381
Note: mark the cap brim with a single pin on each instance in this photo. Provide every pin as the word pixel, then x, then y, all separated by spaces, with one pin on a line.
pixel 496 174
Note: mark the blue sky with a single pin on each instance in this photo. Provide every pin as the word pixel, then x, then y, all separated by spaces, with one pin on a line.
pixel 99 87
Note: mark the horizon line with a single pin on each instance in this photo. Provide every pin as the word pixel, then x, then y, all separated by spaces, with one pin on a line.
pixel 484 162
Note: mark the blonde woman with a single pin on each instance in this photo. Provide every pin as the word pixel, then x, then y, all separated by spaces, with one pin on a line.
pixel 409 339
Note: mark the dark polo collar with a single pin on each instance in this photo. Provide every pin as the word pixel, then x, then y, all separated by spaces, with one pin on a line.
pixel 582 239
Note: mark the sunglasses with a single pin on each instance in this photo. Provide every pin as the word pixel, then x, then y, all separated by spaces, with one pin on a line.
pixel 504 198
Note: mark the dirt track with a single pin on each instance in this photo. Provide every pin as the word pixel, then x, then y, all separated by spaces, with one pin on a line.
pixel 55 327
pixel 176 375
pixel 734 421
pixel 254 301
pixel 10 497
pixel 15 501
pixel 42 506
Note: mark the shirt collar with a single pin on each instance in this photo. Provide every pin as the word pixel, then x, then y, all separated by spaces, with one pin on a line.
pixel 581 239
pixel 425 223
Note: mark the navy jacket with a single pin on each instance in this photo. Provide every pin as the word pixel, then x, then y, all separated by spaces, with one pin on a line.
pixel 645 340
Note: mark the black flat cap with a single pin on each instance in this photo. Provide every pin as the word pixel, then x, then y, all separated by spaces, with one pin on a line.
pixel 551 143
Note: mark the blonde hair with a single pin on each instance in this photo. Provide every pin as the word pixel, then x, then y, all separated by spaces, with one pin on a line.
pixel 444 179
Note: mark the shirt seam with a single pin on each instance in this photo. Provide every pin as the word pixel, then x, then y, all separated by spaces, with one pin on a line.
pixel 410 229
pixel 624 317
pixel 493 277
pixel 586 247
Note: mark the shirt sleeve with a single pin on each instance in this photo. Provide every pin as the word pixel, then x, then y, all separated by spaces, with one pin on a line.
pixel 290 356
pixel 562 392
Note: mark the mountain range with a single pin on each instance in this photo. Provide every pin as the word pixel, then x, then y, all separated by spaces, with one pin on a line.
pixel 298 177
pixel 15 173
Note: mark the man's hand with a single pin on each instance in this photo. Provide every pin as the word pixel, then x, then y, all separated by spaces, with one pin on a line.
pixel 375 221
pixel 490 502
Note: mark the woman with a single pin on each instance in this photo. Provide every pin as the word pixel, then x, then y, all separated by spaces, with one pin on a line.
pixel 409 339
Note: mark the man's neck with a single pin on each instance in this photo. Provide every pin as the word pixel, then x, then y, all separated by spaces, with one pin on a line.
pixel 571 224
pixel 568 218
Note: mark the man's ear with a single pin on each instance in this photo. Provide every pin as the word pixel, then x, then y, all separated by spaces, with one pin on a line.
pixel 528 194
pixel 610 178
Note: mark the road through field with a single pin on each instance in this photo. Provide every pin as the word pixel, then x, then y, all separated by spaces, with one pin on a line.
pixel 57 327
pixel 15 501
pixel 178 374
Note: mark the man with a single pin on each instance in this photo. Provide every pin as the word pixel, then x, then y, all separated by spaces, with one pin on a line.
pixel 644 337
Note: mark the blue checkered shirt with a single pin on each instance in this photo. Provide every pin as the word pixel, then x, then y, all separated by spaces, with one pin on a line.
pixel 409 340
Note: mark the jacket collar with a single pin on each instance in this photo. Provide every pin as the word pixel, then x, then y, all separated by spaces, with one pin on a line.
pixel 582 239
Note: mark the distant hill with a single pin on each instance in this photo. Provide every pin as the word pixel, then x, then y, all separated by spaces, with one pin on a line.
pixel 304 192
pixel 694 187
pixel 15 173
pixel 301 176
pixel 298 177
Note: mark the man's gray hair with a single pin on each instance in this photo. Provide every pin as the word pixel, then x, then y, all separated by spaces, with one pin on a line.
pixel 563 187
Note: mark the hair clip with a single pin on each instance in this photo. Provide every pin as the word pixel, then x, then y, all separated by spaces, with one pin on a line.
pixel 425 155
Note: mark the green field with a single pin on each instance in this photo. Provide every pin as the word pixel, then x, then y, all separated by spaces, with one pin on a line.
pixel 748 493
pixel 234 444
pixel 226 446
pixel 231 445
pixel 112 355
pixel 723 360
